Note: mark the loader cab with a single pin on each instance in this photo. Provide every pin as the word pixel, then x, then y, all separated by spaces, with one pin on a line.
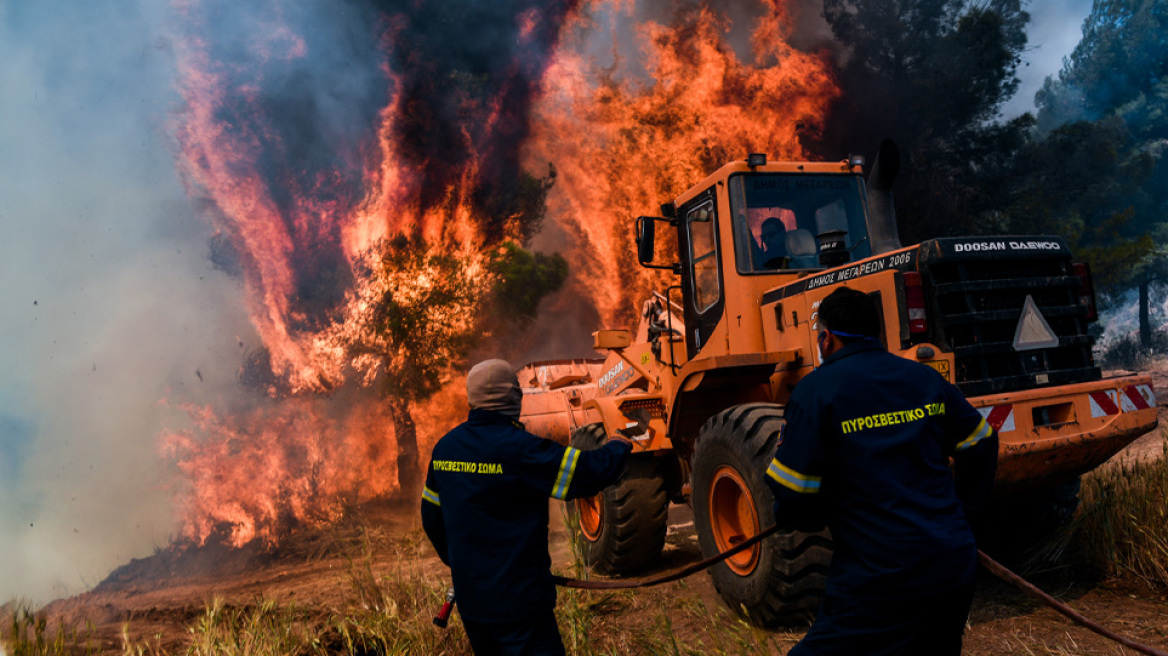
pixel 781 225
pixel 750 227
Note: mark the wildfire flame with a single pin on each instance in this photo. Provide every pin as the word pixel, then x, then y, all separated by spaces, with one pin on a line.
pixel 621 146
pixel 624 146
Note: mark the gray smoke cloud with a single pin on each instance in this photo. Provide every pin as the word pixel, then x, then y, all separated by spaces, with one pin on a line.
pixel 108 303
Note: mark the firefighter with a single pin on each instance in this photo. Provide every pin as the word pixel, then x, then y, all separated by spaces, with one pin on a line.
pixel 485 509
pixel 866 449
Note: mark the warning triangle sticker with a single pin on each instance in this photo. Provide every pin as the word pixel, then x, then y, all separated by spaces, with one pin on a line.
pixel 1033 332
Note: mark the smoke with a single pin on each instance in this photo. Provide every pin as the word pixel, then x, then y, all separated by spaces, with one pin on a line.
pixel 1055 29
pixel 468 73
pixel 292 95
pixel 109 301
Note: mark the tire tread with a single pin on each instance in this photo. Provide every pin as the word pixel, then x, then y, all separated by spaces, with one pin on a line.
pixel 793 585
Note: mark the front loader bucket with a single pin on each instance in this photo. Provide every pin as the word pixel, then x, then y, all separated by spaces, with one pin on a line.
pixel 554 392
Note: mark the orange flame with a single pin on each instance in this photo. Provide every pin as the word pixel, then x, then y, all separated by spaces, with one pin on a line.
pixel 621 147
pixel 624 146
pixel 248 479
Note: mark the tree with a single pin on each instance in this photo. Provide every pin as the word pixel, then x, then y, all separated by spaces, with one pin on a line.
pixel 524 278
pixel 932 76
pixel 414 320
pixel 423 308
pixel 1116 81
pixel 1121 60
pixel 1083 182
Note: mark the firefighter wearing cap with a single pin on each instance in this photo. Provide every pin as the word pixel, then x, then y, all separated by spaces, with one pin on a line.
pixel 485 509
pixel 866 449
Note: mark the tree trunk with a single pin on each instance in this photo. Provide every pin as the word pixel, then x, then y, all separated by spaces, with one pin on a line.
pixel 405 432
pixel 1145 323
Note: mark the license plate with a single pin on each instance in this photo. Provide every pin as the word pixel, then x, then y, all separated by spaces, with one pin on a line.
pixel 941 366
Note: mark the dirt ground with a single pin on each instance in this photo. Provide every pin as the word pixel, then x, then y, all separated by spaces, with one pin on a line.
pixel 155 599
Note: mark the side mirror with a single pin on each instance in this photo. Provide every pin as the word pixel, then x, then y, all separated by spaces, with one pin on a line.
pixel 611 340
pixel 645 229
pixel 645 243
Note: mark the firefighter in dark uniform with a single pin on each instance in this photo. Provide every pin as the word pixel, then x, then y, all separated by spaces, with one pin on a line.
pixel 485 509
pixel 866 449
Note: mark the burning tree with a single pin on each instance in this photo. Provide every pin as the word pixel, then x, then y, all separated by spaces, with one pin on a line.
pixel 425 306
pixel 413 322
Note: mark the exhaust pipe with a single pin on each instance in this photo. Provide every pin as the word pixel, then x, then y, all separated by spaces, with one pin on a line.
pixel 881 213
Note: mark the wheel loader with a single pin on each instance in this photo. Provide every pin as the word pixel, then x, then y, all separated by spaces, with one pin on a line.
pixel 700 386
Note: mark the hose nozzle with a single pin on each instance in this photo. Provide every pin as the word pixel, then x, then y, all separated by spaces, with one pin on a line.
pixel 443 616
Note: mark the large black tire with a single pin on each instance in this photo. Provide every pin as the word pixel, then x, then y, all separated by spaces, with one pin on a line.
pixel 780 580
pixel 622 529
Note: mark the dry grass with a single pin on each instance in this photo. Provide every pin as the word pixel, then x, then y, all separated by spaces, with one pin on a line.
pixel 1121 527
pixel 1026 644
pixel 28 633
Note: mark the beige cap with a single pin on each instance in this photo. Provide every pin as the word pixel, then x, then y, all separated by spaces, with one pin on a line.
pixel 492 385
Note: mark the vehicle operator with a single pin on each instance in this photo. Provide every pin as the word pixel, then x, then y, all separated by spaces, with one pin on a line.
pixel 485 509
pixel 866 450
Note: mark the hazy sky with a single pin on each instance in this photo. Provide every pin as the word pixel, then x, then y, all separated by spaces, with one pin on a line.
pixel 107 301
pixel 1055 30
pixel 108 305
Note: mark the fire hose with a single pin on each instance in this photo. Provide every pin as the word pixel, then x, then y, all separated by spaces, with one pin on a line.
pixel 993 566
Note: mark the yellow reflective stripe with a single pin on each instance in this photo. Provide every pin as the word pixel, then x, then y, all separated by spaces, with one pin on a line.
pixel 431 496
pixel 789 478
pixel 567 471
pixel 982 431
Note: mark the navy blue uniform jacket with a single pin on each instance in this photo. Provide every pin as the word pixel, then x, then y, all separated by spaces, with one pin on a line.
pixel 866 447
pixel 485 509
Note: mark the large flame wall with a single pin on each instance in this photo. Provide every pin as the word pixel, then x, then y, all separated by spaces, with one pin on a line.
pixel 312 144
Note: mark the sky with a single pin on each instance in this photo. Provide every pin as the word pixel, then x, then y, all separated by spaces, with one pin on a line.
pixel 1055 29
pixel 108 304
pixel 110 311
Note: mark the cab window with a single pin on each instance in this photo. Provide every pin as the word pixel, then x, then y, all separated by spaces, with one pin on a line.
pixel 779 218
pixel 703 247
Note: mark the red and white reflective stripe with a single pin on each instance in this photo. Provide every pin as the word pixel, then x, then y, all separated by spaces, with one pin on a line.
pixel 1137 397
pixel 1001 417
pixel 1104 403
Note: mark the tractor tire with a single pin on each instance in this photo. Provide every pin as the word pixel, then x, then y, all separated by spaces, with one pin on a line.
pixel 779 581
pixel 622 529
